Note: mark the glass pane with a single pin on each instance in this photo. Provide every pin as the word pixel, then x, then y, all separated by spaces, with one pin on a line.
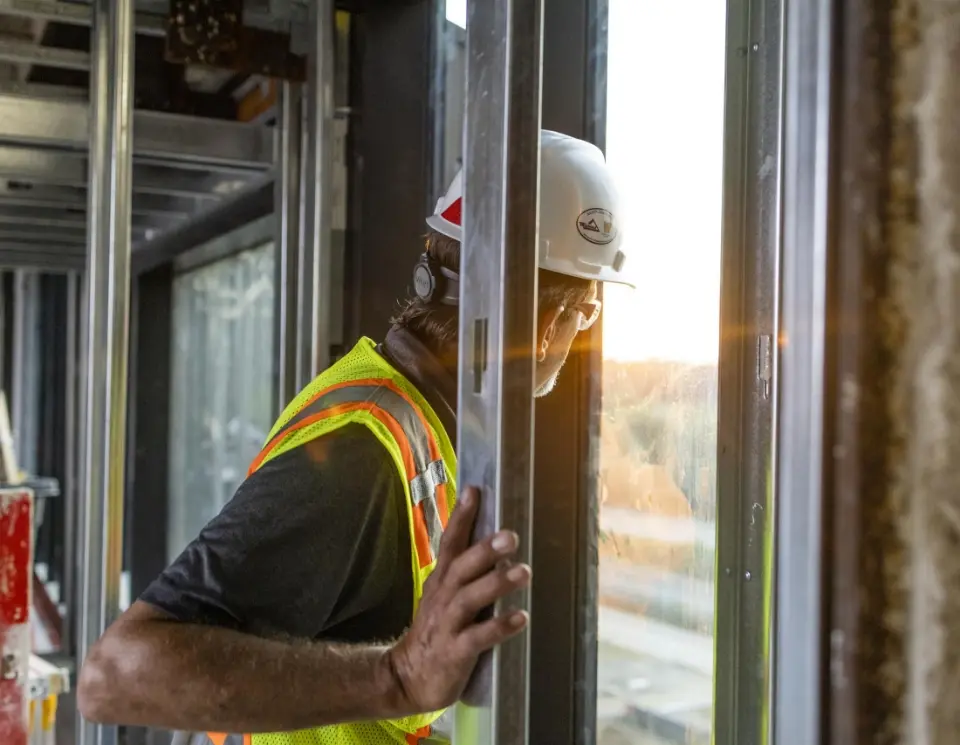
pixel 659 425
pixel 456 12
pixel 222 387
pixel 449 102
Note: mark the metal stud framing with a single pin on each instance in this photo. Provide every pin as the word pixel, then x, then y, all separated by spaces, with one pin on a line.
pixel 747 400
pixel 797 709
pixel 107 337
pixel 498 322
pixel 183 166
pixel 316 181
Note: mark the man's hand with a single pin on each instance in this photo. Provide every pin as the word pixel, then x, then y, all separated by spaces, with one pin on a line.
pixel 435 658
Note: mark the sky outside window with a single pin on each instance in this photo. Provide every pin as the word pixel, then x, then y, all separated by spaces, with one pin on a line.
pixel 665 93
pixel 665 146
pixel 457 12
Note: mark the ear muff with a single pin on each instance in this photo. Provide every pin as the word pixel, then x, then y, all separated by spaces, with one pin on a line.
pixel 433 283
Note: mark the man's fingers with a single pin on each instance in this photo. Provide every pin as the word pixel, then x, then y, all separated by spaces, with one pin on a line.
pixel 482 557
pixel 477 595
pixel 480 637
pixel 456 536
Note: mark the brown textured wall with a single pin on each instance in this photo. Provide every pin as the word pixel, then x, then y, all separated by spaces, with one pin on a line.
pixel 895 556
pixel 928 274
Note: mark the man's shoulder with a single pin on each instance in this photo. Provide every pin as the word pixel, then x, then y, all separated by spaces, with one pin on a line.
pixel 264 561
pixel 347 452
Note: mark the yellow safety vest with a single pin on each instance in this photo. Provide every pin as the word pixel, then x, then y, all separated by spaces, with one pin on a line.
pixel 363 388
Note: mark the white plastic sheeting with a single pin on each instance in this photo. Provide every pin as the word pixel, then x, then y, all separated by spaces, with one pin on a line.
pixel 222 385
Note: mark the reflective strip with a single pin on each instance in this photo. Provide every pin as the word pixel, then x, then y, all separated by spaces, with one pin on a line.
pixel 394 404
pixel 426 483
pixel 386 394
pixel 424 467
pixel 423 489
pixel 219 739
pixel 414 739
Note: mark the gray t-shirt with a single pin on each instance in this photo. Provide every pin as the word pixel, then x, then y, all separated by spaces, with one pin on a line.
pixel 315 544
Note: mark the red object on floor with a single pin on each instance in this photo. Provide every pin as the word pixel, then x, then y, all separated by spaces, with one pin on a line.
pixel 16 580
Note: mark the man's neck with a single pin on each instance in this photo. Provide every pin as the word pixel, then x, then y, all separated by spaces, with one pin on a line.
pixel 435 378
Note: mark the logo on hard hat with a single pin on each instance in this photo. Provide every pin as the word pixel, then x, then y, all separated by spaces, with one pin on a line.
pixel 596 225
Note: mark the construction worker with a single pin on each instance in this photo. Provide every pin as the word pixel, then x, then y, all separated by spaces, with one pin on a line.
pixel 334 599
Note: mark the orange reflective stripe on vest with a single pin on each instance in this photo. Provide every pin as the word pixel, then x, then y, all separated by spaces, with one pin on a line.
pixel 364 389
pixel 402 418
pixel 220 739
pixel 420 734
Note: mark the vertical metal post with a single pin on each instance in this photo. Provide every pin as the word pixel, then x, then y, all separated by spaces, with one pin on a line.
pixel 747 400
pixel 71 490
pixel 800 436
pixel 18 358
pixel 498 324
pixel 26 362
pixel 107 337
pixel 316 250
pixel 288 199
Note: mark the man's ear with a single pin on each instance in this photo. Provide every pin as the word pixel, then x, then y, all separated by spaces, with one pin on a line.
pixel 547 332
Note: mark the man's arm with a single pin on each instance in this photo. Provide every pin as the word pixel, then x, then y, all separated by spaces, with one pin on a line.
pixel 312 540
pixel 151 670
pixel 148 670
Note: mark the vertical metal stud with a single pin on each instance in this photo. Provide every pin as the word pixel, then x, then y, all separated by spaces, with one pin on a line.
pixel 288 202
pixel 71 487
pixel 800 436
pixel 18 356
pixel 746 406
pixel 26 372
pixel 316 249
pixel 107 337
pixel 498 323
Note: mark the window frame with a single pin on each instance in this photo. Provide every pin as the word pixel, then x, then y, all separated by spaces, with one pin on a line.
pixel 566 497
pixel 743 668
pixel 563 656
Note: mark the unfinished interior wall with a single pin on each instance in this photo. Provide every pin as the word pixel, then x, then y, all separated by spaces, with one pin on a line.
pixel 894 563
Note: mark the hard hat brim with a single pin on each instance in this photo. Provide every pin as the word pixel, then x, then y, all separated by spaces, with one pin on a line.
pixel 604 274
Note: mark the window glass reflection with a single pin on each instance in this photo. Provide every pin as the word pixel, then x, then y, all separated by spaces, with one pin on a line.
pixel 659 425
pixel 449 99
pixel 457 12
pixel 222 385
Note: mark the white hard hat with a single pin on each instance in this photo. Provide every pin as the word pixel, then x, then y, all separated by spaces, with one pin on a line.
pixel 580 230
